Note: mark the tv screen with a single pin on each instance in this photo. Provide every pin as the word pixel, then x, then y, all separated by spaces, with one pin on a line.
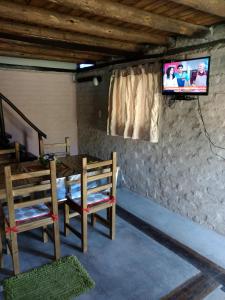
pixel 189 77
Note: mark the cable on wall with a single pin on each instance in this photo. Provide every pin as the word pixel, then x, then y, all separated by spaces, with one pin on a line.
pixel 211 143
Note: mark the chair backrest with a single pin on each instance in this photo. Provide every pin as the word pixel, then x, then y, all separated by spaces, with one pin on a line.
pixel 10 155
pixel 104 176
pixel 55 147
pixel 17 186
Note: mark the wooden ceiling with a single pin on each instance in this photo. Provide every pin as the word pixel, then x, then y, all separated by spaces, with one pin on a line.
pixel 97 30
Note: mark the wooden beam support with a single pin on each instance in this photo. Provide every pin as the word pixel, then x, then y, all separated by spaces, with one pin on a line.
pixel 14 53
pixel 10 47
pixel 115 10
pixel 50 35
pixel 214 7
pixel 43 17
pixel 59 45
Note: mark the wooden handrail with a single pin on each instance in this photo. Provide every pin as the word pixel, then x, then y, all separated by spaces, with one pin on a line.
pixel 2 122
pixel 40 133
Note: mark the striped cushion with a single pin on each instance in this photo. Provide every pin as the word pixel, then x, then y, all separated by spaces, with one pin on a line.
pixel 61 189
pixel 28 213
pixel 75 189
pixel 92 199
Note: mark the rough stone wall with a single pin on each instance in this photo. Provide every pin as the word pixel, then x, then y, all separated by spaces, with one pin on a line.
pixel 180 172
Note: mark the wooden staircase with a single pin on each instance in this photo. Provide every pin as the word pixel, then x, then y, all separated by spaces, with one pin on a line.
pixel 5 138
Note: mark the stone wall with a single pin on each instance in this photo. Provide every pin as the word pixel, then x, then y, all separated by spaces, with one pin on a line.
pixel 180 172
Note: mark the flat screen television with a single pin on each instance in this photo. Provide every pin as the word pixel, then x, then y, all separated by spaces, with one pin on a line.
pixel 186 77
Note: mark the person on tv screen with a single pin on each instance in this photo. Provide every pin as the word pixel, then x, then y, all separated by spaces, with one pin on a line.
pixel 169 79
pixel 199 77
pixel 182 77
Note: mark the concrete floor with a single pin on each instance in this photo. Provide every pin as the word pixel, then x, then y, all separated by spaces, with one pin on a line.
pixel 133 266
pixel 198 237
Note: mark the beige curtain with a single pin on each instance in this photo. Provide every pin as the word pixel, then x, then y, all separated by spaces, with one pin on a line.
pixel 134 103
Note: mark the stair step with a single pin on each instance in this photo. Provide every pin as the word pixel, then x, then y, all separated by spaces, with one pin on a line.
pixel 24 155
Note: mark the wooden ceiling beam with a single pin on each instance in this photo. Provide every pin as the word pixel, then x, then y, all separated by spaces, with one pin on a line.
pixel 61 45
pixel 115 10
pixel 214 7
pixel 14 53
pixel 100 44
pixel 27 48
pixel 43 17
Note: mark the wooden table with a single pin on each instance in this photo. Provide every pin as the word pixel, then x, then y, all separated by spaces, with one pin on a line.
pixel 65 167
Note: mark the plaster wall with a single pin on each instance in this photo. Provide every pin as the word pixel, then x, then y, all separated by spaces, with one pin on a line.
pixel 180 172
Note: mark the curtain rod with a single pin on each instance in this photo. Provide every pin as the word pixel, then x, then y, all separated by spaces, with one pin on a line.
pixel 135 59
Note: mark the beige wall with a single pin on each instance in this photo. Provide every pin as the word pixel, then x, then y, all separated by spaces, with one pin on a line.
pixel 48 99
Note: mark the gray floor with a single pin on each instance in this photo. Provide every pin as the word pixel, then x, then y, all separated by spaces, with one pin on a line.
pixel 133 266
pixel 204 241
pixel 218 294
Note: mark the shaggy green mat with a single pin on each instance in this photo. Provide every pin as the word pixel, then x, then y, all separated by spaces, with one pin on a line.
pixel 63 279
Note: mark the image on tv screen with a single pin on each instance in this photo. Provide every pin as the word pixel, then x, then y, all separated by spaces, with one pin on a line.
pixel 186 76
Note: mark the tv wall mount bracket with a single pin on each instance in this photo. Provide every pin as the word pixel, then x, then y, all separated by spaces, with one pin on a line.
pixel 180 97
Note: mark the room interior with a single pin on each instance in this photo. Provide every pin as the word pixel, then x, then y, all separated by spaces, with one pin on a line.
pixel 106 75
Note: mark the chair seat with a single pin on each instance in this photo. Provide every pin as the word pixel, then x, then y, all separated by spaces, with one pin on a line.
pixel 28 213
pixel 92 199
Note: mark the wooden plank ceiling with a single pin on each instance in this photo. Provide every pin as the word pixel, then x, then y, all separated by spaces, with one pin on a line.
pixel 99 30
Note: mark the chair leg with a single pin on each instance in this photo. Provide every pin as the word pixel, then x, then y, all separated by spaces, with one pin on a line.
pixel 66 219
pixel 7 237
pixel 1 236
pixel 108 214
pixel 112 222
pixel 93 219
pixel 1 248
pixel 44 234
pixel 15 254
pixel 84 231
pixel 56 239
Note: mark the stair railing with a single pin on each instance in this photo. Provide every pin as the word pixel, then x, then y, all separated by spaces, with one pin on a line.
pixel 40 133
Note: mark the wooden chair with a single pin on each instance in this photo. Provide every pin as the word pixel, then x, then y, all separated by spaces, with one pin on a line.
pixel 47 148
pixel 11 155
pixel 27 214
pixel 93 199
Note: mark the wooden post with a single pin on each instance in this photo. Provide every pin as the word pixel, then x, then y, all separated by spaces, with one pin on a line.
pixel 84 204
pixel 55 209
pixel 41 145
pixel 12 223
pixel 2 122
pixel 66 219
pixel 1 235
pixel 67 142
pixel 44 234
pixel 93 219
pixel 113 193
pixel 7 236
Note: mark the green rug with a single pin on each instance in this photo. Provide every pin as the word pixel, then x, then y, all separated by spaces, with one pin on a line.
pixel 63 279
